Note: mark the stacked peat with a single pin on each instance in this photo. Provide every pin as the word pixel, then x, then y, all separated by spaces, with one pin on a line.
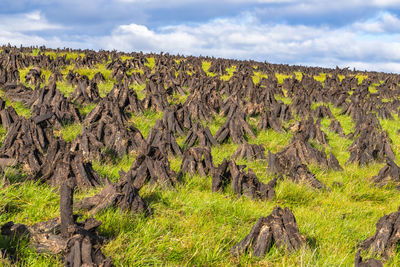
pixel 386 238
pixel 7 115
pixel 51 100
pixel 151 165
pixel 72 77
pixel 322 112
pixel 359 262
pixel 173 123
pixel 279 227
pixel 336 127
pixel 18 92
pixel 293 159
pixel 249 152
pixel 86 92
pixel 197 159
pixel 122 195
pixel 125 98
pixel 372 144
pixel 235 126
pixel 98 78
pixel 78 243
pixel 203 102
pixel 62 164
pixel 156 96
pixel 27 141
pixel 106 128
pixel 389 173
pixel 242 183
pixel 55 77
pixel 269 121
pixel 310 130
pixel 34 76
pixel 164 139
pixel 178 119
pixel 200 136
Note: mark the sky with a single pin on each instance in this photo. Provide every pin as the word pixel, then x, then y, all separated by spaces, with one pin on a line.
pixel 361 34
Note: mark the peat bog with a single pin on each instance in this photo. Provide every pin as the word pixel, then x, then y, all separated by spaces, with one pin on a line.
pixel 130 159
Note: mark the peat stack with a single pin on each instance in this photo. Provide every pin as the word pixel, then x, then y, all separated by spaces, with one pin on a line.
pixel 369 146
pixel 9 75
pixel 235 127
pixel 27 141
pixel 107 126
pixel 200 136
pixel 72 77
pixel 221 176
pixel 301 103
pixel 323 112
pixel 248 184
pixel 242 183
pixel 78 243
pixel 359 262
pixel 151 165
pixel 122 195
pixel 164 139
pixel 18 92
pixel 46 111
pixel 197 159
pixel 156 96
pixel 300 150
pixel 292 162
pixel 386 237
pixel 279 227
pixel 34 76
pixel 269 121
pixel 249 152
pixel 336 127
pixel 86 92
pixel 172 122
pixel 7 115
pixel 125 98
pixel 51 99
pixel 106 109
pixel 182 116
pixel 56 76
pixel 202 103
pixel 62 164
pixel 106 139
pixel 389 173
pixel 310 130
pixel 98 78
pixel 282 111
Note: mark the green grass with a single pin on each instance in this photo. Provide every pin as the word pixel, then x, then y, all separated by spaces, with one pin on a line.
pixel 70 55
pixel 258 76
pixel 151 61
pixel 21 109
pixel 69 132
pixel 192 225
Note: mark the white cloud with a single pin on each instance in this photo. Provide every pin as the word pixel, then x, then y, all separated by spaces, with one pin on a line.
pixel 245 38
pixel 25 22
pixel 383 23
pixel 185 2
pixel 25 28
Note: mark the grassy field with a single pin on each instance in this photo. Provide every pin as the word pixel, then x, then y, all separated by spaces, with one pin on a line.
pixel 194 226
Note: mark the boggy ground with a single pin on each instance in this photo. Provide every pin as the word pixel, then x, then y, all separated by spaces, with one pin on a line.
pixel 188 223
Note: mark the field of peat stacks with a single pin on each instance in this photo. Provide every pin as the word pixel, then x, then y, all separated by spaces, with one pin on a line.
pixel 132 159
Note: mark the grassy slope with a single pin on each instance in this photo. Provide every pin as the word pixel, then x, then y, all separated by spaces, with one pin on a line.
pixel 193 226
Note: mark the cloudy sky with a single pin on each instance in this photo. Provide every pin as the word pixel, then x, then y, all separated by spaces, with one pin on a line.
pixel 361 34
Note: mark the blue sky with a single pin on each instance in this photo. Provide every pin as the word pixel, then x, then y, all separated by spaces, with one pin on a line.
pixel 346 33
